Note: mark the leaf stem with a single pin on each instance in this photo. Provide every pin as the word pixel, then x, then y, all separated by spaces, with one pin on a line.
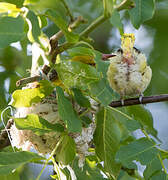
pixel 161 161
pixel 47 161
pixel 56 168
pixel 93 25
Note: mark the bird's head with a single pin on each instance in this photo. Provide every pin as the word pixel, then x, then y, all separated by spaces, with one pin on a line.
pixel 127 44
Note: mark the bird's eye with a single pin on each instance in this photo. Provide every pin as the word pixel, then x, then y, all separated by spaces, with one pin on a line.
pixel 137 50
pixel 120 51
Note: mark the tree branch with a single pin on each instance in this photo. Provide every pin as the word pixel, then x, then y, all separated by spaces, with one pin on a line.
pixel 125 4
pixel 28 80
pixel 71 27
pixel 145 100
pixel 93 25
pixel 37 78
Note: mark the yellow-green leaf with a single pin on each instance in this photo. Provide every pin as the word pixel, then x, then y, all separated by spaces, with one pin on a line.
pixel 25 97
pixel 8 9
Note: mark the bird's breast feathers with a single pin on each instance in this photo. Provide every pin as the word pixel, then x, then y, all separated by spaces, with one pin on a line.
pixel 129 79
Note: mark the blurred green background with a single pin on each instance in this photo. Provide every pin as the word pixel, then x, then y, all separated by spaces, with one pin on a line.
pixel 151 38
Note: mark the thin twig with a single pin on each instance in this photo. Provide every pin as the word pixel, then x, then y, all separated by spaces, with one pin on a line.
pixel 79 20
pixel 28 80
pixel 54 50
pixel 37 78
pixel 125 4
pixel 71 27
pixel 101 19
pixel 68 10
pixel 145 100
pixel 93 25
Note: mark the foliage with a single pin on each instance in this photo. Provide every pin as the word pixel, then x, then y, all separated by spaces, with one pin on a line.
pixel 80 81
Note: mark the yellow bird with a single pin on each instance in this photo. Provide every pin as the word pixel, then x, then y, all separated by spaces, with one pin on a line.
pixel 128 73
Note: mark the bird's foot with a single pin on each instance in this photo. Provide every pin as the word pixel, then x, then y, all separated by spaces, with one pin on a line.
pixel 122 102
pixel 141 98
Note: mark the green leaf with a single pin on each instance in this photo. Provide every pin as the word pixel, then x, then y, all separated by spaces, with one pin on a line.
pixel 82 54
pixel 142 115
pixel 43 21
pixel 115 20
pixel 107 138
pixel 12 160
pixel 18 3
pixel 80 51
pixel 143 11
pixel 25 97
pixel 85 121
pixel 101 91
pixel 88 172
pixel 142 150
pixel 159 176
pixel 42 6
pixel 108 7
pixel 11 30
pixel 126 120
pixel 66 150
pixel 12 176
pixel 67 113
pixel 7 9
pixel 164 153
pixel 153 167
pixel 124 176
pixel 62 24
pixel 34 27
pixel 37 124
pixel 76 74
pixel 80 98
pixel 102 66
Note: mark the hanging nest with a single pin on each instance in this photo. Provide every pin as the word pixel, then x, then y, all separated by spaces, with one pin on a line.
pixel 45 143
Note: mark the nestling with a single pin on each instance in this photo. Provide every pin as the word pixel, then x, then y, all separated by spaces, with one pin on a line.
pixel 128 73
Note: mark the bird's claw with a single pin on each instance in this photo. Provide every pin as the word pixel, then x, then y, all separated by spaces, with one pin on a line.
pixel 141 98
pixel 122 102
